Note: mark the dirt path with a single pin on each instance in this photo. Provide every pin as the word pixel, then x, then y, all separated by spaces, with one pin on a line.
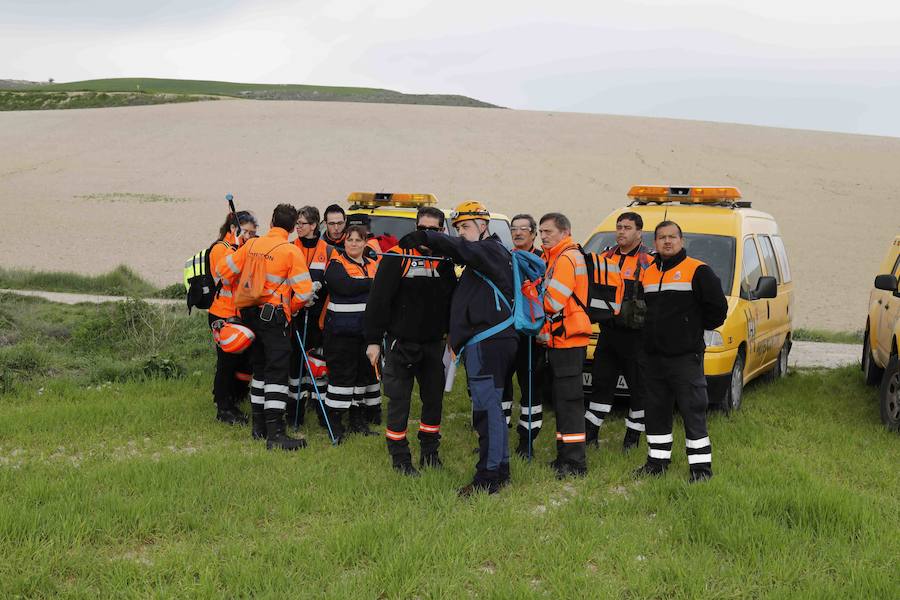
pixel 823 355
pixel 67 298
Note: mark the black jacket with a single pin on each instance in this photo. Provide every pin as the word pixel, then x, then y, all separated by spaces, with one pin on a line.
pixel 475 308
pixel 676 319
pixel 409 301
pixel 344 289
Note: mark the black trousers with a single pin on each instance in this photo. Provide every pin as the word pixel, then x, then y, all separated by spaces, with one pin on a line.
pixel 564 374
pixel 520 370
pixel 487 365
pixel 618 353
pixel 232 376
pixel 405 363
pixel 676 381
pixel 270 360
pixel 352 384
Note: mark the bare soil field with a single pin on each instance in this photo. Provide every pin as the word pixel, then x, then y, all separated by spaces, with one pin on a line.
pixel 86 190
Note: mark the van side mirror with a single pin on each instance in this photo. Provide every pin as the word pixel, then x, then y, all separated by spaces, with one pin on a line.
pixel 766 287
pixel 888 283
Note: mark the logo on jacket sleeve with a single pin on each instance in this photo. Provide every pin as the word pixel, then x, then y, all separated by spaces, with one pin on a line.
pixel 677 276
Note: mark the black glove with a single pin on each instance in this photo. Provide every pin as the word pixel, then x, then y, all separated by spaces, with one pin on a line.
pixel 413 240
pixel 370 252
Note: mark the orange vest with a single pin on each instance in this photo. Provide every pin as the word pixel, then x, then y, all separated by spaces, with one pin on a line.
pixel 565 294
pixel 316 257
pixel 677 279
pixel 288 283
pixel 344 314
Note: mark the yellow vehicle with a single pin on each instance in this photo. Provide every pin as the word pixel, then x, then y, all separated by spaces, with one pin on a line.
pixel 743 247
pixel 395 214
pixel 880 356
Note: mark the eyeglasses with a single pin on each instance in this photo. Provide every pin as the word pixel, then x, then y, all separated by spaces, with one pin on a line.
pixel 526 228
pixel 427 228
pixel 303 223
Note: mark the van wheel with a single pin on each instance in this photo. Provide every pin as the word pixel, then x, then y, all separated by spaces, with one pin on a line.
pixel 871 371
pixel 735 392
pixel 890 395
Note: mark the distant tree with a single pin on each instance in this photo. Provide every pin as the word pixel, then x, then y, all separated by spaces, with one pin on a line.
pixel 51 80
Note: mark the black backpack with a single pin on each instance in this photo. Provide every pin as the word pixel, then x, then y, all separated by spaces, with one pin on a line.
pixel 202 288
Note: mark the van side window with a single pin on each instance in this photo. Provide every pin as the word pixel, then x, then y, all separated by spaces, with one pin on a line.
pixel 769 256
pixel 752 269
pixel 781 253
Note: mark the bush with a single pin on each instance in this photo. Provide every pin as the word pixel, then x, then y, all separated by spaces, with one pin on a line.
pixel 163 368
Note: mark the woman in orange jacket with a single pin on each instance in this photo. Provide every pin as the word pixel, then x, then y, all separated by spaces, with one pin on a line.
pixel 232 378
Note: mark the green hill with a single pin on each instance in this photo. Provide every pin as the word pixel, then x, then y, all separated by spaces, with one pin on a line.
pixel 255 91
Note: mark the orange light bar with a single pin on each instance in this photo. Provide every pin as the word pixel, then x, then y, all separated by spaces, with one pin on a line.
pixel 697 194
pixel 375 199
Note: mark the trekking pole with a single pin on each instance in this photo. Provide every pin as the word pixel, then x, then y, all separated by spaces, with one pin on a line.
pixel 316 388
pixel 412 256
pixel 300 382
pixel 530 394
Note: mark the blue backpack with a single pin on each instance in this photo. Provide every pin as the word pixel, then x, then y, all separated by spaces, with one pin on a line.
pixel 527 311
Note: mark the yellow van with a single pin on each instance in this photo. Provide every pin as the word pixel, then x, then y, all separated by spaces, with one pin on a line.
pixel 880 355
pixel 745 250
pixel 395 214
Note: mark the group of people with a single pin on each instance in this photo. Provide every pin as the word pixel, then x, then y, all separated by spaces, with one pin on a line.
pixel 388 313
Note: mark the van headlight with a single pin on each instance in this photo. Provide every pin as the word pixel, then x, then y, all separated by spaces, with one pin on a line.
pixel 713 338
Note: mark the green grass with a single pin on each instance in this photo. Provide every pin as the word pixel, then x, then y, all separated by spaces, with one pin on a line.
pixel 56 100
pixel 259 91
pixel 130 488
pixel 121 281
pixel 824 335
pixel 140 198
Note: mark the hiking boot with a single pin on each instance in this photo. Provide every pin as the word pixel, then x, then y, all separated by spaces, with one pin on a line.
pixel 228 417
pixel 276 436
pixel 698 475
pixel 432 460
pixel 358 423
pixel 649 468
pixel 565 470
pixel 258 432
pixel 522 448
pixel 476 487
pixel 632 440
pixel 406 468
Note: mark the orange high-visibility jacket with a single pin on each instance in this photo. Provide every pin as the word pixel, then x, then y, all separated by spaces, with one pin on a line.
pixel 566 292
pixel 288 283
pixel 223 305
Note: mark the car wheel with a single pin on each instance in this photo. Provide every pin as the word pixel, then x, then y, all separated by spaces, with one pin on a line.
pixel 735 392
pixel 871 371
pixel 781 365
pixel 890 395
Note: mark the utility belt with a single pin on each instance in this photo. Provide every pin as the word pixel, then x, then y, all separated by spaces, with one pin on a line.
pixel 268 313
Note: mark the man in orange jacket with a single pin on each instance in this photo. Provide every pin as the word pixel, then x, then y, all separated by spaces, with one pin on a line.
pixel 566 334
pixel 287 288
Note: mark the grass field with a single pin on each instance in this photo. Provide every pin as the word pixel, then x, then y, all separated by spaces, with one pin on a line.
pixel 257 91
pixel 116 481
pixel 823 335
pixel 121 281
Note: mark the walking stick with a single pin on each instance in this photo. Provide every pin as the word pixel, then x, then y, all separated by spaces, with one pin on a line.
pixel 530 394
pixel 316 388
pixel 300 381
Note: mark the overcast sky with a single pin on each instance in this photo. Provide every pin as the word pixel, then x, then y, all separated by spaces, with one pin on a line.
pixel 822 64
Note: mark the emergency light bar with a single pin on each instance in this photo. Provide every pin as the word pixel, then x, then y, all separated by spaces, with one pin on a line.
pixel 376 199
pixel 644 194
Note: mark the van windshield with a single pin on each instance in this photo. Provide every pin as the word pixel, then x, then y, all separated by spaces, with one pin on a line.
pixel 715 250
